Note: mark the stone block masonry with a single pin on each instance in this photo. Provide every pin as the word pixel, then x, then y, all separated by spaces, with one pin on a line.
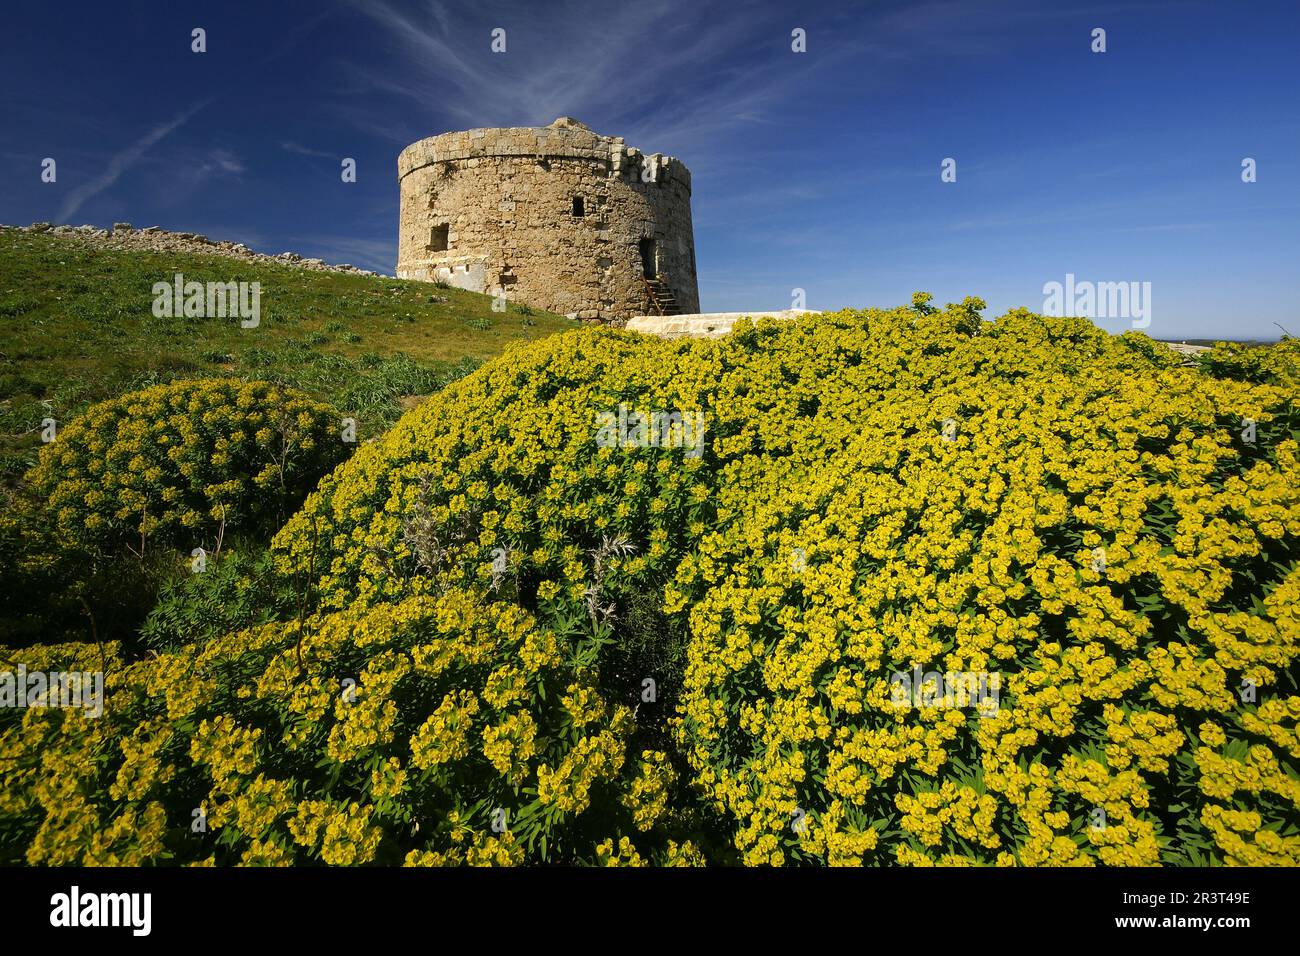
pixel 556 217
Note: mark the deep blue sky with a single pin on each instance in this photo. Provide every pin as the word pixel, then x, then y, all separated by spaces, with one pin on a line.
pixel 816 170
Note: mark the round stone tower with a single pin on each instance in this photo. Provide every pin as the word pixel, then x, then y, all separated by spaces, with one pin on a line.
pixel 556 216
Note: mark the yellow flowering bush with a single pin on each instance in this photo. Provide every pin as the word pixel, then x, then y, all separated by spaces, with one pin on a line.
pixel 1277 364
pixel 1038 504
pixel 182 462
pixel 426 731
pixel 1077 524
pixel 503 466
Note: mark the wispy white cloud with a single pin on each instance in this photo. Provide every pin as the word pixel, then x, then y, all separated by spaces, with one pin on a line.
pixel 123 160
pixel 219 162
pixel 641 69
pixel 289 146
pixel 222 161
pixel 529 83
pixel 1169 227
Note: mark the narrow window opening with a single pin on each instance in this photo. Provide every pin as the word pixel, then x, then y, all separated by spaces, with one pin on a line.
pixel 579 209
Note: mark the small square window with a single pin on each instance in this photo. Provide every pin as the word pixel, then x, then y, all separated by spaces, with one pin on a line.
pixel 579 209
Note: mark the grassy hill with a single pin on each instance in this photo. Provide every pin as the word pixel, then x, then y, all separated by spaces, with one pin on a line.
pixel 76 327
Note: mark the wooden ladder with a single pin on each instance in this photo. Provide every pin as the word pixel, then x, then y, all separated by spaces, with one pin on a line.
pixel 661 296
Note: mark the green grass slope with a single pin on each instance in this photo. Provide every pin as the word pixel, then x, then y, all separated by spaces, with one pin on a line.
pixel 77 327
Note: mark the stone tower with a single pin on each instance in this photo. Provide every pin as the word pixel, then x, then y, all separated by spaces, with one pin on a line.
pixel 556 216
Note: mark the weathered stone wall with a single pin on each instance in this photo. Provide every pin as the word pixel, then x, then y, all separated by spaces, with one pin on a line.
pixel 703 325
pixel 154 239
pixel 502 200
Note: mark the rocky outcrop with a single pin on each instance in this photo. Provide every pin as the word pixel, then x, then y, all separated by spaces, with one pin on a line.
pixel 126 237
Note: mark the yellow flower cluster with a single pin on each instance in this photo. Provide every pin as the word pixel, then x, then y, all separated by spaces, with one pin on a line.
pixel 960 810
pixel 650 791
pixel 181 462
pixel 567 784
pixel 622 854
pixel 466 736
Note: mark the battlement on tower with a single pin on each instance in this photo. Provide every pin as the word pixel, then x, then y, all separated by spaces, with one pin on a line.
pixel 571 141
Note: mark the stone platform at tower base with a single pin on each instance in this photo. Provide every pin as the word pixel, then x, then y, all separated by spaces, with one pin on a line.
pixel 702 324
